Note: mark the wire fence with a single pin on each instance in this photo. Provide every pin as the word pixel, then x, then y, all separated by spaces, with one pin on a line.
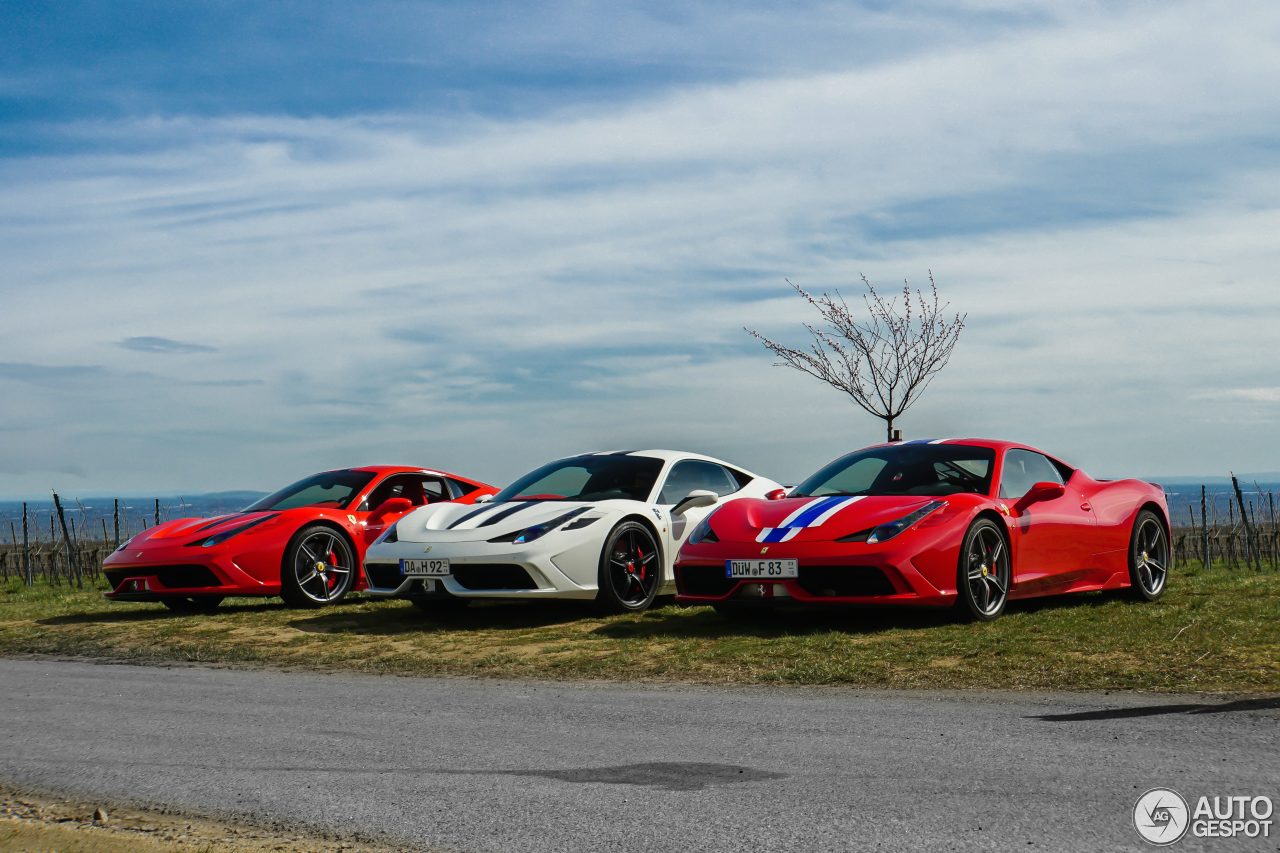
pixel 68 543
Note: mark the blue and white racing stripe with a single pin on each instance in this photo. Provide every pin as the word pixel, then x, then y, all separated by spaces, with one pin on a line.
pixel 813 513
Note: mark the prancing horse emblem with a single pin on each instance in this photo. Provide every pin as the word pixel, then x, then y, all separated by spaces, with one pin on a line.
pixel 426 550
pixel 764 550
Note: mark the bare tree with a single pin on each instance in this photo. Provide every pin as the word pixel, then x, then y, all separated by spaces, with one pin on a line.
pixel 883 361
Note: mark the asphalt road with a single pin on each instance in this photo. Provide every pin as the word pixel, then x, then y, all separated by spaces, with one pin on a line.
pixel 492 765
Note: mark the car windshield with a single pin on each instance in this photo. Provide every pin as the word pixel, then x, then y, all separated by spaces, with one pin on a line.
pixel 905 469
pixel 587 478
pixel 332 489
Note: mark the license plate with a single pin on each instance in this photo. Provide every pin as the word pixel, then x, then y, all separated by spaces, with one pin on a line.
pixel 422 568
pixel 761 568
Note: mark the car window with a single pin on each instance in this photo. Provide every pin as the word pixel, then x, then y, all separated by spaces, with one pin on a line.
pixel 332 488
pixel 595 477
pixel 858 478
pixel 905 469
pixel 690 474
pixel 1022 470
pixel 418 489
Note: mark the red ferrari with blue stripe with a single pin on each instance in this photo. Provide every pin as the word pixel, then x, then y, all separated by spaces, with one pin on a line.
pixel 968 523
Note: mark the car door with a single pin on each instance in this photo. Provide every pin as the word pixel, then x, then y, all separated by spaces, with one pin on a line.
pixel 1052 538
pixel 686 476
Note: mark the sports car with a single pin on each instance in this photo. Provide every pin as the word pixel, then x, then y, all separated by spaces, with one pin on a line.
pixel 304 543
pixel 602 526
pixel 969 523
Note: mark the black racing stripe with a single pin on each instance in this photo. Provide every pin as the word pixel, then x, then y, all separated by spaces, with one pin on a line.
pixel 498 516
pixel 224 520
pixel 571 514
pixel 470 515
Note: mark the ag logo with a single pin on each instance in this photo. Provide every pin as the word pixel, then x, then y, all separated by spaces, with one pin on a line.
pixel 1160 816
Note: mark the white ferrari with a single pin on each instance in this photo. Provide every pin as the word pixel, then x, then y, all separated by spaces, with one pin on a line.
pixel 602 526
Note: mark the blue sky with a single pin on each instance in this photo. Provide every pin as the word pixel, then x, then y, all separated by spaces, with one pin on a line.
pixel 245 241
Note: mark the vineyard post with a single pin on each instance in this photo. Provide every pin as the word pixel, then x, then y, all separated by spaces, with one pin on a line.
pixel 1275 532
pixel 115 515
pixel 1244 519
pixel 157 515
pixel 66 537
pixel 26 549
pixel 75 548
pixel 1204 527
pixel 1231 539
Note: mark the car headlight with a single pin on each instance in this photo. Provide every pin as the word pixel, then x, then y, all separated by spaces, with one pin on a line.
pixel 537 531
pixel 703 532
pixel 388 536
pixel 887 531
pixel 219 538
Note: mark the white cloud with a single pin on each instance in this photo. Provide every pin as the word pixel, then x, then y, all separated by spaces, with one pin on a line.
pixel 489 292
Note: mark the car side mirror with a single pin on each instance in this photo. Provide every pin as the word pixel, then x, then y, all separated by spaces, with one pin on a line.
pixel 693 500
pixel 1039 492
pixel 775 495
pixel 393 506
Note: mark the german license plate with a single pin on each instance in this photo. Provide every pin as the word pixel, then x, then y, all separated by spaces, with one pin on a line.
pixel 761 569
pixel 424 568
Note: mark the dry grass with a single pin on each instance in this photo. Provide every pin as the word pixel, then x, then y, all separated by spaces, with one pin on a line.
pixel 1215 631
pixel 34 821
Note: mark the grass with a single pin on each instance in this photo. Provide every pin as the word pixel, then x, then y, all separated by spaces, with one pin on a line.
pixel 1215 631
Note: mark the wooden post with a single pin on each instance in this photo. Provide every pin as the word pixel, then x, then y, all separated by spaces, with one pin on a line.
pixel 26 549
pixel 115 513
pixel 1244 519
pixel 75 548
pixel 1204 527
pixel 66 537
pixel 1275 532
pixel 157 515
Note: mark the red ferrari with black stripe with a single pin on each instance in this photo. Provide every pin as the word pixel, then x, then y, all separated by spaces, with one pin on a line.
pixel 305 543
pixel 969 523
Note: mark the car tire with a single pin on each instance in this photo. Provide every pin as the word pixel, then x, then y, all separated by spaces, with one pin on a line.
pixel 984 572
pixel 304 582
pixel 1148 557
pixel 630 569
pixel 192 604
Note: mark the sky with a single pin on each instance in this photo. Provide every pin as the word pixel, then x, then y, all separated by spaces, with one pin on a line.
pixel 246 241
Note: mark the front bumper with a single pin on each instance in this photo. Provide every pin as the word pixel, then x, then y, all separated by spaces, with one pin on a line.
pixel 156 573
pixel 862 575
pixel 477 570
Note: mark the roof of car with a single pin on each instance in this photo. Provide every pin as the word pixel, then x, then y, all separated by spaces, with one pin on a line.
pixel 659 453
pixel 398 469
pixel 993 443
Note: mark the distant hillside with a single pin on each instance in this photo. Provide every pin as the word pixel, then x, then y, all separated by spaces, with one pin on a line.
pixel 90 514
